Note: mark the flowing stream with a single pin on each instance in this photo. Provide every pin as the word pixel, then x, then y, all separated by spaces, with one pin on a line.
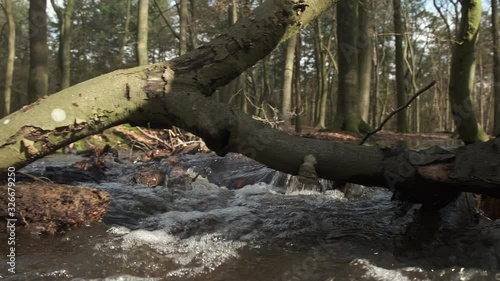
pixel 204 231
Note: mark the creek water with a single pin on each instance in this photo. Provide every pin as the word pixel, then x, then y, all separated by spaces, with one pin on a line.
pixel 205 231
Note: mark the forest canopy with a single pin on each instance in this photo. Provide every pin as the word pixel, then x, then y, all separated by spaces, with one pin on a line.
pixel 103 38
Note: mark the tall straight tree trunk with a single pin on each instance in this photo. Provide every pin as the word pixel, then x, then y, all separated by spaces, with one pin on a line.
pixel 65 45
pixel 348 116
pixel 402 117
pixel 298 99
pixel 192 26
pixel 462 76
pixel 38 84
pixel 479 97
pixel 286 97
pixel 496 66
pixel 378 62
pixel 365 45
pixel 183 26
pixel 142 33
pixel 9 70
pixel 322 92
pixel 64 17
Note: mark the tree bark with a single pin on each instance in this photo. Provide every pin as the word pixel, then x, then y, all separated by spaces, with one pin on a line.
pixel 402 118
pixel 9 70
pixel 183 26
pixel 322 92
pixel 178 92
pixel 38 84
pixel 64 17
pixel 496 66
pixel 298 91
pixel 68 115
pixel 365 46
pixel 286 97
pixel 462 76
pixel 192 27
pixel 348 115
pixel 142 33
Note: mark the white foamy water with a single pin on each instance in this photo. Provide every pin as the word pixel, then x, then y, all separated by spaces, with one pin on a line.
pixel 202 231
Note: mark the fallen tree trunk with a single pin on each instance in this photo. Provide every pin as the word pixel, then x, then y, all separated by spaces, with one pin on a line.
pixel 178 93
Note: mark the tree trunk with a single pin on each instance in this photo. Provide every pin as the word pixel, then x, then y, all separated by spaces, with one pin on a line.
pixel 166 20
pixel 365 46
pixel 38 84
pixel 178 92
pixel 142 33
pixel 402 117
pixel 66 45
pixel 409 59
pixel 322 93
pixel 348 116
pixel 9 70
pixel 183 26
pixel 480 94
pixel 496 66
pixel 286 97
pixel 462 76
pixel 298 99
pixel 64 17
pixel 192 27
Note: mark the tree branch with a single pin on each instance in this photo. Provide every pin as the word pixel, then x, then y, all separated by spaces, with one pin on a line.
pixel 399 109
pixel 140 95
pixel 176 35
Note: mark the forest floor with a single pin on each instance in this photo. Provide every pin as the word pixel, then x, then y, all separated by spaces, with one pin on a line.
pixel 163 142
pixel 384 136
